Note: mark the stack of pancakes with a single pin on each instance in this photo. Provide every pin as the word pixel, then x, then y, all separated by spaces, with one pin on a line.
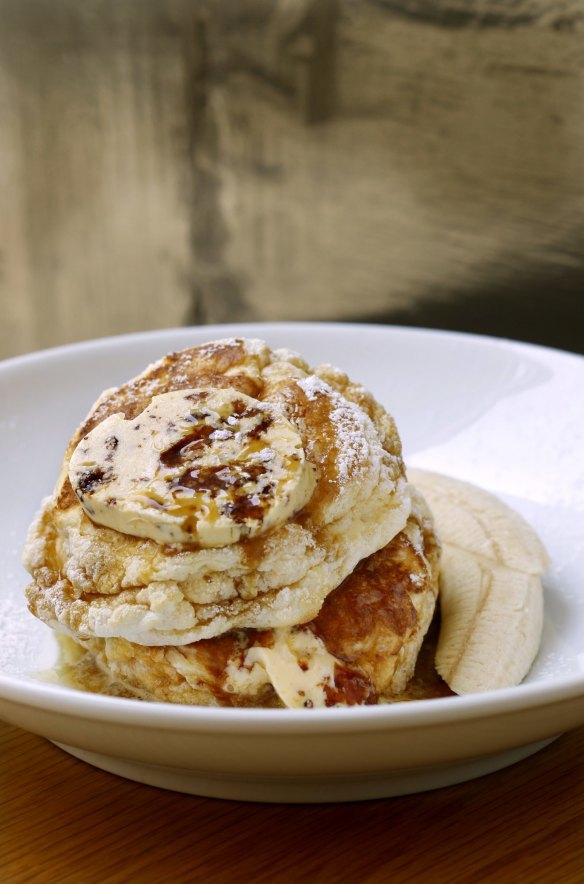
pixel 327 606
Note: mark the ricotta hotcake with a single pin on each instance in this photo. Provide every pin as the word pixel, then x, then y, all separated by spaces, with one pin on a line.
pixel 361 647
pixel 95 579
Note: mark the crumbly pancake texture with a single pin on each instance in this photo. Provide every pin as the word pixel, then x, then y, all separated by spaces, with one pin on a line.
pixel 93 582
pixel 361 648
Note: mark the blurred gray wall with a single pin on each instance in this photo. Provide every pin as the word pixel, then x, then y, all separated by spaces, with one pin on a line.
pixel 165 162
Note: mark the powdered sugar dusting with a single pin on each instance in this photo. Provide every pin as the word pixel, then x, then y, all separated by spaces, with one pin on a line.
pixel 353 428
pixel 286 355
pixel 150 387
pixel 27 645
pixel 313 387
pixel 253 346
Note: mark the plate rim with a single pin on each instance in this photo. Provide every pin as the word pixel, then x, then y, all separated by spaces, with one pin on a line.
pixel 85 345
pixel 397 716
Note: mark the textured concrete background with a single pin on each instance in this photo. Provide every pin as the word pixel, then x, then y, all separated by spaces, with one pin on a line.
pixel 171 162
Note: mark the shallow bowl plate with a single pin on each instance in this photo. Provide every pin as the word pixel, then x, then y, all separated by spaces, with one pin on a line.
pixel 506 416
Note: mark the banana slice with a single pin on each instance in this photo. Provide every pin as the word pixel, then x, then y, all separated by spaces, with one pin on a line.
pixel 490 586
pixel 196 466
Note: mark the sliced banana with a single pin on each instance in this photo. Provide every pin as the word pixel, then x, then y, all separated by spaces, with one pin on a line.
pixel 490 586
pixel 208 467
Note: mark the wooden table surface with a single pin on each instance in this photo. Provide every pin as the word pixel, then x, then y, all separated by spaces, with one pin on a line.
pixel 64 821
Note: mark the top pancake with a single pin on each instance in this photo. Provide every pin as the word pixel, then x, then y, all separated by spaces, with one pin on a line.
pixel 93 581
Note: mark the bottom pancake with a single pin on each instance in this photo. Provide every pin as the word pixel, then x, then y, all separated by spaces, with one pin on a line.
pixel 360 649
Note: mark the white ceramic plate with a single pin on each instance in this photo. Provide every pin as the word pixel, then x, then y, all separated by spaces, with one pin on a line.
pixel 507 416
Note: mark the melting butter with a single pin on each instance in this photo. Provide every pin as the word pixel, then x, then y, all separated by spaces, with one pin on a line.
pixel 207 467
pixel 298 666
